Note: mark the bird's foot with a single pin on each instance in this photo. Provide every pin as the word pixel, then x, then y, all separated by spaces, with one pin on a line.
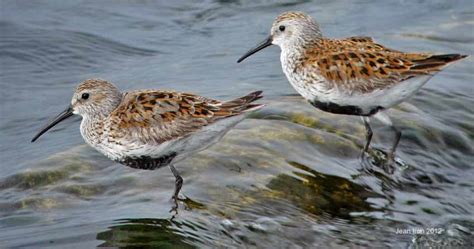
pixel 390 164
pixel 379 158
pixel 174 208
pixel 365 154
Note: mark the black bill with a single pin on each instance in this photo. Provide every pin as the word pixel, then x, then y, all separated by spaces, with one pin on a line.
pixel 62 116
pixel 267 42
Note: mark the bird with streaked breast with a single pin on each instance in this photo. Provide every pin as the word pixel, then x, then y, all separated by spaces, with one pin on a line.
pixel 351 76
pixel 150 129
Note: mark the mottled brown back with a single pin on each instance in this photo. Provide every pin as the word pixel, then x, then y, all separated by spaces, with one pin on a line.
pixel 360 64
pixel 155 116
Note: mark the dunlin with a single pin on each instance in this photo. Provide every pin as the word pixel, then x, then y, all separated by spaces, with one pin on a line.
pixel 150 129
pixel 352 76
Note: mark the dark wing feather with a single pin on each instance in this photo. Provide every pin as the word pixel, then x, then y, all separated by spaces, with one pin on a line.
pixel 359 64
pixel 157 116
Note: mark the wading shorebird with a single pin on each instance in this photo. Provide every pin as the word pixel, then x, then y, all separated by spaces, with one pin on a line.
pixel 351 76
pixel 150 129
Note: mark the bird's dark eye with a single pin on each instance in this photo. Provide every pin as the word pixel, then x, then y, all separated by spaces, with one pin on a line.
pixel 282 28
pixel 85 96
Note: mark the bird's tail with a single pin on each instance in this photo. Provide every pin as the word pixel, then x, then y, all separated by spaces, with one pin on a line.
pixel 245 103
pixel 437 62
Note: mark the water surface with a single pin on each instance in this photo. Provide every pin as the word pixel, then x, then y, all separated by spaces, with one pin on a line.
pixel 288 176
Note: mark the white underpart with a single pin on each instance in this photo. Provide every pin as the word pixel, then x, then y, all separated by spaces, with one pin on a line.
pixel 383 117
pixel 365 119
pixel 183 146
pixel 312 86
pixel 201 139
pixel 387 97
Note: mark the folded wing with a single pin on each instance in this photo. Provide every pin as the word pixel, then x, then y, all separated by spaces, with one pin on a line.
pixel 153 117
pixel 359 64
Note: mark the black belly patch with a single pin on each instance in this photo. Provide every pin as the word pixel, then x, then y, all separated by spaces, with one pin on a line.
pixel 148 163
pixel 344 109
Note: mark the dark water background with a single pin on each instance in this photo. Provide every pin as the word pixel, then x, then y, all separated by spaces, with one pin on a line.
pixel 289 176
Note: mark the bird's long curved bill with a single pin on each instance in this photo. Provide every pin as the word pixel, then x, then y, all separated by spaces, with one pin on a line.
pixel 62 116
pixel 267 42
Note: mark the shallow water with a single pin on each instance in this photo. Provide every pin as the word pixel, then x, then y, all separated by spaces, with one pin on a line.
pixel 288 176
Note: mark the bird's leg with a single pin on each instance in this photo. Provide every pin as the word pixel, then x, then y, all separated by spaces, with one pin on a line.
pixel 386 120
pixel 177 187
pixel 368 134
pixel 391 154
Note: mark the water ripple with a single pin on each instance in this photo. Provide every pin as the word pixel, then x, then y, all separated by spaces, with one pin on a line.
pixel 58 50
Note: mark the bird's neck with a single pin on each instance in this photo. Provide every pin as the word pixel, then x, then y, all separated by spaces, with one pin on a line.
pixel 291 57
pixel 94 122
pixel 297 50
pixel 297 66
pixel 92 129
